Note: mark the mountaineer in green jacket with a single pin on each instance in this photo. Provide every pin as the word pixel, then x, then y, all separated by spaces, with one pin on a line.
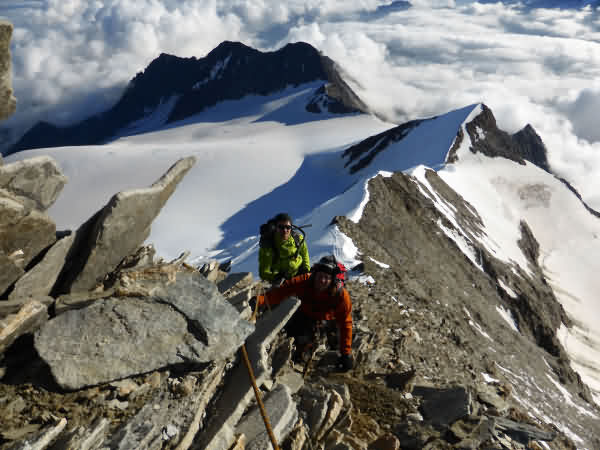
pixel 283 253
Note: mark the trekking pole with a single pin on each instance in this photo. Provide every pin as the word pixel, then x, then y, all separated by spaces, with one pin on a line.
pixel 261 406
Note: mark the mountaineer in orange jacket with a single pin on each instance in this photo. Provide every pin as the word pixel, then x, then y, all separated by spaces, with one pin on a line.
pixel 321 299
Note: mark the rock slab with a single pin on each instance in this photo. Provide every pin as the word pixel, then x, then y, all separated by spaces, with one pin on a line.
pixel 118 230
pixel 114 338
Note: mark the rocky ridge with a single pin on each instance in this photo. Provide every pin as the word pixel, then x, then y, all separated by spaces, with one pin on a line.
pixel 147 356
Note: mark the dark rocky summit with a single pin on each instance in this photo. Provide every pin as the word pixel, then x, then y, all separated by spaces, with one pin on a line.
pixel 229 72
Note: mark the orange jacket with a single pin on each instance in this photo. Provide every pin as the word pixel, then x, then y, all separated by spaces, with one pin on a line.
pixel 318 305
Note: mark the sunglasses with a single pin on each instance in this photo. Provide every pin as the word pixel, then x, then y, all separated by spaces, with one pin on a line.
pixel 284 227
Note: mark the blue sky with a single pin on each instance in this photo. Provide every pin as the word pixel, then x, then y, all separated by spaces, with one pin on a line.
pixel 74 57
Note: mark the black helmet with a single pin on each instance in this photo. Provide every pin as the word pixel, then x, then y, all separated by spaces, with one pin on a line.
pixel 327 264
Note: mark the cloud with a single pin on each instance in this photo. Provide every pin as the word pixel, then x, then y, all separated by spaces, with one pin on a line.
pixel 537 66
pixel 531 67
pixel 73 58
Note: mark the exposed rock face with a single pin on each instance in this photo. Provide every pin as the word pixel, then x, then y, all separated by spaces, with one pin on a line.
pixel 8 103
pixel 118 230
pixel 416 310
pixel 36 182
pixel 229 72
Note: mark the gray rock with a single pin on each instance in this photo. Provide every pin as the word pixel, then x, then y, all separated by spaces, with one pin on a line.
pixel 8 103
pixel 239 279
pixel 187 321
pixel 118 230
pixel 334 408
pixel 22 229
pixel 292 379
pixel 113 339
pixel 10 271
pixel 282 413
pixel 442 407
pixel 35 182
pixel 146 428
pixel 29 318
pixel 314 405
pixel 238 392
pixel 40 279
pixel 84 438
pixel 488 395
pixel 521 431
pixel 217 323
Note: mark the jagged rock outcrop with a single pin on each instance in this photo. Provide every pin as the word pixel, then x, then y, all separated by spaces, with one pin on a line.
pixel 8 103
pixel 187 86
pixel 117 230
pixel 487 138
pixel 415 313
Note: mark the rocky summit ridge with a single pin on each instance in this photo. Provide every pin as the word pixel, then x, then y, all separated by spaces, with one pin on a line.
pixel 103 344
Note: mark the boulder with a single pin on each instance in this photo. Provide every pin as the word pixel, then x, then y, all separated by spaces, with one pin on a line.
pixel 282 413
pixel 118 230
pixel 187 322
pixel 40 279
pixel 442 407
pixel 35 182
pixel 8 103
pixel 21 230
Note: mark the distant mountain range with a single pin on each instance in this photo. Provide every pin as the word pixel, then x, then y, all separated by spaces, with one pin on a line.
pixel 172 89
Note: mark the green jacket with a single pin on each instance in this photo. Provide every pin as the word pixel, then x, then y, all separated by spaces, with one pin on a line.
pixel 273 264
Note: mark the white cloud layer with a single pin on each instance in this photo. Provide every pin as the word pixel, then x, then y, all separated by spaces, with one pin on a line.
pixel 539 66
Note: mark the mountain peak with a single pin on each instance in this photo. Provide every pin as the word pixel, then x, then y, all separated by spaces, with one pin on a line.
pixel 486 138
pixel 182 87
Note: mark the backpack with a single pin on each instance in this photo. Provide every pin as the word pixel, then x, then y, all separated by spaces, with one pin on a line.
pixel 267 239
pixel 340 278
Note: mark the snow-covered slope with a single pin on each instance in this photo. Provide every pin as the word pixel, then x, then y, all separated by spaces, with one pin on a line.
pixel 244 148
